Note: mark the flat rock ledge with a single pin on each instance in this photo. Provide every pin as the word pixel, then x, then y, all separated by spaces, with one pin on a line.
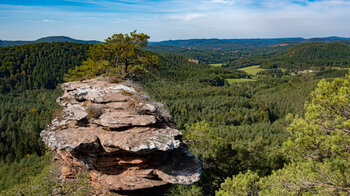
pixel 128 144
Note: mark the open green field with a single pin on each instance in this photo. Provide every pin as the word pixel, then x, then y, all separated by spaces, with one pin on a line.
pixel 231 81
pixel 216 65
pixel 253 70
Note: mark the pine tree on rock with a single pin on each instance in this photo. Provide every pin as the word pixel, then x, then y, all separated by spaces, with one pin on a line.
pixel 121 55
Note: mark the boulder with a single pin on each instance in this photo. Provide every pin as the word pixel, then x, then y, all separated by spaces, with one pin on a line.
pixel 127 143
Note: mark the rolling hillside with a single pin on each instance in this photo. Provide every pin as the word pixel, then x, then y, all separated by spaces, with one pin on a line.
pixel 224 44
pixel 49 39
pixel 204 44
pixel 302 56
pixel 37 66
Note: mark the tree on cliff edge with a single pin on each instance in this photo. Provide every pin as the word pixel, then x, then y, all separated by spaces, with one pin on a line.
pixel 121 55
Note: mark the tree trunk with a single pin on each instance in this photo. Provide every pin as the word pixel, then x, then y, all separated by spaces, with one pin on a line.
pixel 126 69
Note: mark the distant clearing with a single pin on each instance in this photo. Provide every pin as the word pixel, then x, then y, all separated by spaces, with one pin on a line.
pixel 231 81
pixel 253 70
pixel 216 65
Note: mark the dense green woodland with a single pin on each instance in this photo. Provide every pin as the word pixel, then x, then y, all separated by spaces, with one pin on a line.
pixel 318 150
pixel 302 56
pixel 240 131
pixel 22 117
pixel 214 55
pixel 232 129
pixel 37 66
pixel 28 73
pixel 244 44
pixel 236 52
pixel 29 76
pixel 292 57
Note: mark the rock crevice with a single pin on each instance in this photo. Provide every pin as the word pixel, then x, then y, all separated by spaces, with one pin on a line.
pixel 127 143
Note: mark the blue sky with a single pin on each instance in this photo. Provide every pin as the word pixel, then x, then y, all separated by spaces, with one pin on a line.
pixel 174 19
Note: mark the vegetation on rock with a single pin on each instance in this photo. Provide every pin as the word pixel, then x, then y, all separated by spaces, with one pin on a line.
pixel 121 55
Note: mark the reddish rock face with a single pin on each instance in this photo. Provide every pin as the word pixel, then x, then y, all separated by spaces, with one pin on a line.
pixel 126 142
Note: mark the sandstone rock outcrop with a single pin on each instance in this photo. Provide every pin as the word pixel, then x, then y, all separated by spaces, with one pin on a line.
pixel 127 143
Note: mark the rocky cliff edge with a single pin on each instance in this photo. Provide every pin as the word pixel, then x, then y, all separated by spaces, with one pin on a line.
pixel 126 142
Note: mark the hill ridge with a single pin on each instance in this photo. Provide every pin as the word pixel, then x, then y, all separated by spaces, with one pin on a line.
pixel 301 56
pixel 214 43
pixel 204 43
pixel 49 39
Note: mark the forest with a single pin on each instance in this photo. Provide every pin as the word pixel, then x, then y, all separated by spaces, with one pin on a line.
pixel 29 76
pixel 212 56
pixel 38 66
pixel 243 44
pixel 299 57
pixel 248 135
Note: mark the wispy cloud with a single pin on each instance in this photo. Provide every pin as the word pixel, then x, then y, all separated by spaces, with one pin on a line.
pixel 46 20
pixel 230 2
pixel 175 19
pixel 187 17
pixel 192 16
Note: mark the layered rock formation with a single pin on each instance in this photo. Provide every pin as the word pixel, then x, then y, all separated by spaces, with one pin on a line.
pixel 127 143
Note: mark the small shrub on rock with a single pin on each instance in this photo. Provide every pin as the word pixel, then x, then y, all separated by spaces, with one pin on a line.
pixel 93 112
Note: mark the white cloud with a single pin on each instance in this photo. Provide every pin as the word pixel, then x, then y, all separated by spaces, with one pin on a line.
pixel 192 16
pixel 187 17
pixel 181 19
pixel 229 2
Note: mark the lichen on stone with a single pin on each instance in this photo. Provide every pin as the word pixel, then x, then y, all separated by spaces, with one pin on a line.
pixel 123 140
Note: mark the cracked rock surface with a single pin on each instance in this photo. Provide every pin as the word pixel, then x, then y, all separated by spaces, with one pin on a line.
pixel 127 143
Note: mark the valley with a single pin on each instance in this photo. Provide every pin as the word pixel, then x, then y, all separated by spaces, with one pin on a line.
pixel 240 109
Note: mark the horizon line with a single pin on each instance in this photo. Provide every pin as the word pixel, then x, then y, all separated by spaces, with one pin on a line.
pixel 184 39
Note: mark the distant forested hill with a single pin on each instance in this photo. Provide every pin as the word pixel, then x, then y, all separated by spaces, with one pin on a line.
pixel 222 44
pixel 215 56
pixel 37 66
pixel 49 40
pixel 203 44
pixel 215 51
pixel 301 56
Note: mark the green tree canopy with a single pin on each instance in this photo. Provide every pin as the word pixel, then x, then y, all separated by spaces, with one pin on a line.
pixel 319 150
pixel 121 55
